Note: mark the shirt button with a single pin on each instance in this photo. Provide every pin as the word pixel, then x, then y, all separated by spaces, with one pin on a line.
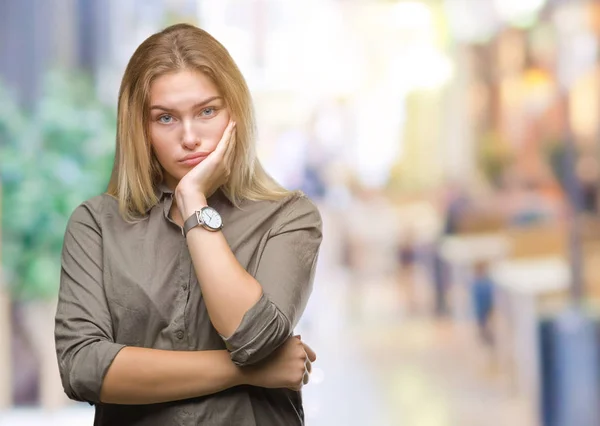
pixel 184 286
pixel 179 334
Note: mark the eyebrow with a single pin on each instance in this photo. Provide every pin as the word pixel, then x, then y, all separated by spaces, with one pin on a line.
pixel 198 105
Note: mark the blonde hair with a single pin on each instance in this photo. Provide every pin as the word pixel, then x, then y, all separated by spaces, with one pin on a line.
pixel 136 172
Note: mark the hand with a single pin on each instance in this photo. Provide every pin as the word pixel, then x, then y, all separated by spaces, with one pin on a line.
pixel 288 367
pixel 205 178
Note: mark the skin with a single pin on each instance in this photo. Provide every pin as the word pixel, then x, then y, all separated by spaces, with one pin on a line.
pixel 148 376
pixel 188 116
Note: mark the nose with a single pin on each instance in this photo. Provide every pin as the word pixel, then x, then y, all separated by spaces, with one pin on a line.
pixel 190 138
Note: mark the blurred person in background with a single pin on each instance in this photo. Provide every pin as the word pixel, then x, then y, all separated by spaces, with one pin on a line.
pixel 454 207
pixel 482 296
pixel 587 171
pixel 406 254
pixel 182 284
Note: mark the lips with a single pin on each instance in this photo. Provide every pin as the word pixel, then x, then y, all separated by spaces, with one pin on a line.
pixel 193 159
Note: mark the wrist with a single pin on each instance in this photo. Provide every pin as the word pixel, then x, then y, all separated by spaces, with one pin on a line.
pixel 234 375
pixel 188 202
pixel 244 375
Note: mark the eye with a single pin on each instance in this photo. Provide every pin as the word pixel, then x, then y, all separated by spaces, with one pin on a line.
pixel 208 112
pixel 165 119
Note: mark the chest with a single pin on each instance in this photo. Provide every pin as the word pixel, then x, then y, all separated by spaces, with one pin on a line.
pixel 154 296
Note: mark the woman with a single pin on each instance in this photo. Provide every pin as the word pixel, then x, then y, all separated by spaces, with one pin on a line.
pixel 181 286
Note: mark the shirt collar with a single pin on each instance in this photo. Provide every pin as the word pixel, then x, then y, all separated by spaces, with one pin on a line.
pixel 163 190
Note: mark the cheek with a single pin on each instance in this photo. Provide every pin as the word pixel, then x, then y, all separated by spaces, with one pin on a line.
pixel 160 143
pixel 217 127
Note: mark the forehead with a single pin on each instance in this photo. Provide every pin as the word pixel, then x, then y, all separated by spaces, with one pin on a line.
pixel 182 87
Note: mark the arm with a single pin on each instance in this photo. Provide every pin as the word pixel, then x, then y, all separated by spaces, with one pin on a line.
pixel 256 314
pixel 86 349
pixel 145 376
pixel 227 289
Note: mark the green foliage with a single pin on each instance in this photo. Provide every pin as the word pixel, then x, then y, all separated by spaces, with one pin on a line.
pixel 51 160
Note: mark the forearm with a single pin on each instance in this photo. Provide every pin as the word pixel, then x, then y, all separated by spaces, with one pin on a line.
pixel 229 291
pixel 147 376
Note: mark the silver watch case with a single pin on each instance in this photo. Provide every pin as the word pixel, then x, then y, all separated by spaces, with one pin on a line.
pixel 203 217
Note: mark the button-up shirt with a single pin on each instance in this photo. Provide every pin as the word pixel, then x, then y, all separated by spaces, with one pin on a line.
pixel 134 284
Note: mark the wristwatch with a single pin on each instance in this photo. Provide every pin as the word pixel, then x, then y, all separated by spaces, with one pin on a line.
pixel 207 217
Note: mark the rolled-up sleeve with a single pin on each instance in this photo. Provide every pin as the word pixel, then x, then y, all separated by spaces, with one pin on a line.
pixel 83 330
pixel 286 272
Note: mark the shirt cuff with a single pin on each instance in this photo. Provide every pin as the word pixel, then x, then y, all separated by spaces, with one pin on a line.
pixel 89 367
pixel 263 329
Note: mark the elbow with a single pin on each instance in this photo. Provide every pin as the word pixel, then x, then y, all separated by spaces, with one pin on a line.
pixel 255 347
pixel 77 386
pixel 82 373
pixel 67 383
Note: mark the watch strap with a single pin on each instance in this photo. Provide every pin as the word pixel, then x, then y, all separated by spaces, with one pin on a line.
pixel 191 222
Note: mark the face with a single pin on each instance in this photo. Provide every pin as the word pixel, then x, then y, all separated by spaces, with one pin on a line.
pixel 187 119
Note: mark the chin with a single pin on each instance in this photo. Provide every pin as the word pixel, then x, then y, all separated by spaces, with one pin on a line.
pixel 175 175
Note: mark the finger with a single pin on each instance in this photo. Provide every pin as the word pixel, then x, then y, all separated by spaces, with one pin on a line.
pixel 230 149
pixel 308 366
pixel 222 145
pixel 311 354
pixel 306 377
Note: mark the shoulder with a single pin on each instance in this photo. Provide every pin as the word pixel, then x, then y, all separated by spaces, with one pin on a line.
pixel 94 211
pixel 298 206
pixel 297 211
pixel 271 216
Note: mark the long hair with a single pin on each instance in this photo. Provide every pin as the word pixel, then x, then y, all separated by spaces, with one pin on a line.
pixel 136 172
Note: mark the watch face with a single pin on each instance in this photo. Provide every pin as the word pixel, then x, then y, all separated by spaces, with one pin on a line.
pixel 211 218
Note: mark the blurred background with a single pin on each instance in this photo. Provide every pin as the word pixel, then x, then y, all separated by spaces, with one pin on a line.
pixel 452 147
